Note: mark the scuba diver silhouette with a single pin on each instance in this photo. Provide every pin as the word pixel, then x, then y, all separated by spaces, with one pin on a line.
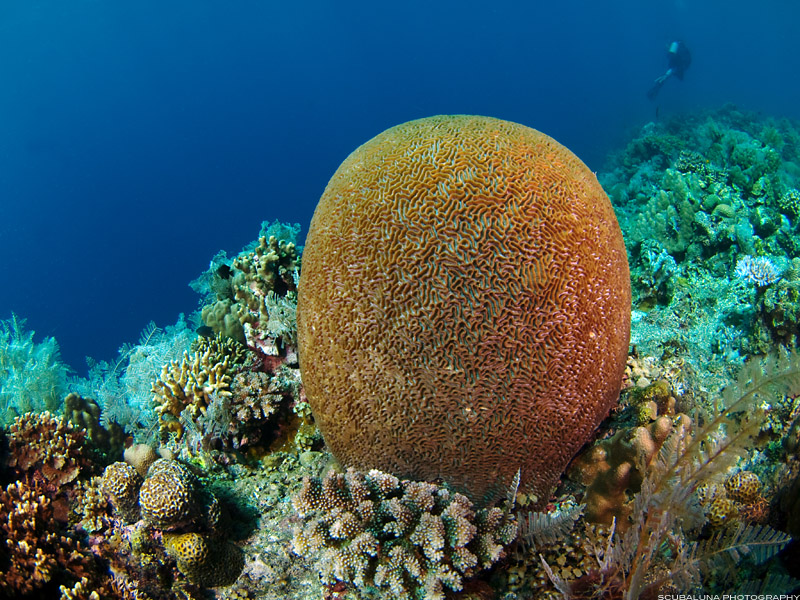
pixel 679 58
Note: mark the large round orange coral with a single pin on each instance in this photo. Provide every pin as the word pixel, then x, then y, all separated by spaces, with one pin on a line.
pixel 464 305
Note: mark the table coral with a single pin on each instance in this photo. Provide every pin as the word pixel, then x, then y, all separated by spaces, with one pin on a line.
pixel 410 539
pixel 464 306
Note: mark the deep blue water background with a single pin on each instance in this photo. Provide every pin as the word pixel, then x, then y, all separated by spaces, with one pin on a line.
pixel 139 138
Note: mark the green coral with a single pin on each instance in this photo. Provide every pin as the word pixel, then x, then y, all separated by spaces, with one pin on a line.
pixel 32 376
pixel 724 185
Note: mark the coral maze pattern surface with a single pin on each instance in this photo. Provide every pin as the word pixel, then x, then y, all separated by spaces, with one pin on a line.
pixel 464 306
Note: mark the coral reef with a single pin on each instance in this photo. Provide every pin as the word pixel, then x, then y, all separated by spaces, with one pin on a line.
pixel 404 538
pixel 36 551
pixel 48 445
pixel 695 473
pixel 188 517
pixel 453 320
pixel 667 511
pixel 708 206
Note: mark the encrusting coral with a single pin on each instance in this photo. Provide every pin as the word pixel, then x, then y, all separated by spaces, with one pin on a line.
pixel 464 306
pixel 613 470
pixel 410 539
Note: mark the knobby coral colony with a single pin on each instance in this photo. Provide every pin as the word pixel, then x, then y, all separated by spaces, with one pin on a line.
pixel 426 348
pixel 404 538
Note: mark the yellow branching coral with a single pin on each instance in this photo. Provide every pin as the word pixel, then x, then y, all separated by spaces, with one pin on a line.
pixel 190 384
pixel 219 347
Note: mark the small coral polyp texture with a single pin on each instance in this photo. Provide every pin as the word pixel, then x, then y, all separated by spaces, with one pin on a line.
pixel 171 497
pixel 205 561
pixel 405 538
pixel 464 306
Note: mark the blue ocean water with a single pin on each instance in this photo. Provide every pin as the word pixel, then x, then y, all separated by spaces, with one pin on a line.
pixel 138 139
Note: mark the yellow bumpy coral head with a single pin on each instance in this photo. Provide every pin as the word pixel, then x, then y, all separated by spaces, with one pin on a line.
pixel 189 548
pixel 464 305
pixel 743 487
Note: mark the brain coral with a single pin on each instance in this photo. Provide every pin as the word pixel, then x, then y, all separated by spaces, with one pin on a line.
pixel 464 305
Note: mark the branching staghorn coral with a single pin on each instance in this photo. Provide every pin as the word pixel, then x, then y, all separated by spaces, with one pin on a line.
pixel 404 538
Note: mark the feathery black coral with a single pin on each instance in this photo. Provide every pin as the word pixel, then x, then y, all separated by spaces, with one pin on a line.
pixel 654 553
pixel 726 548
pixel 546 528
